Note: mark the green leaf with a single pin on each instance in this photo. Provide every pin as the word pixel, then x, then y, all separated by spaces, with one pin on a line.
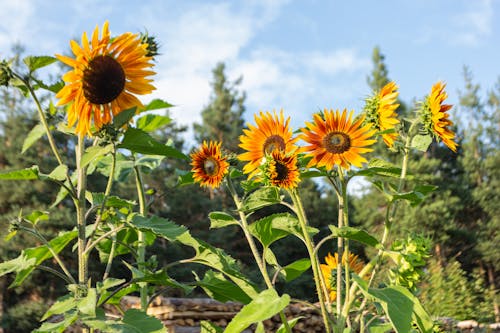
pixel 421 142
pixel 265 231
pixel 59 173
pixel 416 196
pixel 185 178
pixel 379 167
pixel 93 152
pixel 18 264
pixel 36 62
pixel 291 324
pixel 289 223
pixel 69 319
pixel 143 323
pixel 24 174
pixel 124 117
pixel 380 328
pixel 260 198
pixel 265 305
pixel 152 122
pixel 208 327
pixel 88 304
pixel 354 234
pixel 36 133
pixel 141 142
pixel 37 216
pixel 157 104
pixel 296 268
pixel 216 286
pixel 111 201
pixel 159 226
pixel 221 220
pixel 62 305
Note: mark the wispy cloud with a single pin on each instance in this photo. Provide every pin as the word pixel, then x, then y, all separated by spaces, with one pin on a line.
pixel 473 25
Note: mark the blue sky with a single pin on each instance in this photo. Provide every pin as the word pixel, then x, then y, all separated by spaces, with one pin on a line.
pixel 301 56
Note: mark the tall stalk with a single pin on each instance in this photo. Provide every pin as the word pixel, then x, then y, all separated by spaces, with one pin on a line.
pixel 81 187
pixel 141 247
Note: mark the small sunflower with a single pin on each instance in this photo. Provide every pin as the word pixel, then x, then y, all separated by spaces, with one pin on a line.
pixel 281 170
pixel 272 133
pixel 209 166
pixel 380 112
pixel 107 74
pixel 435 117
pixel 329 271
pixel 335 139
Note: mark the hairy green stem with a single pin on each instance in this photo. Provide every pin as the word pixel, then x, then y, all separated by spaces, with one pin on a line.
pixel 141 247
pixel 299 210
pixel 80 209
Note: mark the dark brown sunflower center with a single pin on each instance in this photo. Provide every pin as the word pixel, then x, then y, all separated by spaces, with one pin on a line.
pixel 273 143
pixel 211 166
pixel 337 142
pixel 281 171
pixel 103 80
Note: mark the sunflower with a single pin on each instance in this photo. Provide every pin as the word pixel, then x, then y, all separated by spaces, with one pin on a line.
pixel 435 117
pixel 380 112
pixel 272 133
pixel 329 271
pixel 335 139
pixel 209 166
pixel 105 76
pixel 281 170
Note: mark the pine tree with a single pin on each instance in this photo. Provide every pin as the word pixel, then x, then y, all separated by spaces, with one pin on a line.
pixel 379 76
pixel 222 117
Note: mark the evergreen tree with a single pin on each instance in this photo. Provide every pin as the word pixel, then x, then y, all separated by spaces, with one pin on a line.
pixel 379 76
pixel 222 118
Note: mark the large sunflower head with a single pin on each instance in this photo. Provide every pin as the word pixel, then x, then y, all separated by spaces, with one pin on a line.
pixel 329 271
pixel 272 133
pixel 434 116
pixel 107 74
pixel 380 112
pixel 208 165
pixel 335 139
pixel 281 170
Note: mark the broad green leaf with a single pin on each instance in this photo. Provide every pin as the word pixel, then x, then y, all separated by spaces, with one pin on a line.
pixel 354 234
pixel 111 201
pixel 24 174
pixel 158 278
pixel 416 196
pixel 380 328
pixel 59 173
pixel 143 323
pixel 262 197
pixel 185 178
pixel 221 220
pixel 124 117
pixel 296 268
pixel 127 236
pixel 37 216
pixel 208 327
pixel 124 166
pixel 18 264
pixel 152 122
pixel 263 306
pixel 379 167
pixel 93 152
pixel 157 104
pixel 62 305
pixel 141 142
pixel 219 288
pixel 147 163
pixel 87 305
pixel 36 62
pixel 291 324
pixel 69 319
pixel 288 223
pixel 36 133
pixel 265 232
pixel 270 258
pixel 42 253
pixel 421 142
pixel 108 283
pixel 159 226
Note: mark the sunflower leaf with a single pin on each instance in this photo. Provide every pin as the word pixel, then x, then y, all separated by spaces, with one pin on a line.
pixel 221 220
pixel 354 234
pixel 138 141
pixel 157 104
pixel 36 62
pixel 265 196
pixel 36 133
pixel 124 117
pixel 421 142
pixel 296 268
pixel 152 122
pixel 24 174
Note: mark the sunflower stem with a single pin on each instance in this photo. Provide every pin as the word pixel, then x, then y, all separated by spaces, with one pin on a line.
pixel 141 247
pixel 299 210
pixel 253 247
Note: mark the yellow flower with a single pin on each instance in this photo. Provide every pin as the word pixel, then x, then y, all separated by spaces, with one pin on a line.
pixel 435 117
pixel 107 74
pixel 282 170
pixel 329 271
pixel 272 133
pixel 209 167
pixel 335 139
pixel 380 112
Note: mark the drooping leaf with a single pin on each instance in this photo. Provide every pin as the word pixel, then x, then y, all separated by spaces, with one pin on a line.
pixel 185 178
pixel 152 122
pixel 93 152
pixel 141 142
pixel 379 167
pixel 68 319
pixel 416 196
pixel 296 268
pixel 421 142
pixel 291 324
pixel 24 174
pixel 260 198
pixel 221 220
pixel 263 306
pixel 87 305
pixel 33 136
pixel 143 323
pixel 36 62
pixel 124 117
pixel 160 226
pixel 59 173
pixel 157 104
pixel 147 163
pixel 219 288
pixel 37 216
pixel 354 234
pixel 62 305
pixel 265 231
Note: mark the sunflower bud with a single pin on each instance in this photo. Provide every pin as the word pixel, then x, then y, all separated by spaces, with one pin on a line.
pixel 5 73
pixel 152 45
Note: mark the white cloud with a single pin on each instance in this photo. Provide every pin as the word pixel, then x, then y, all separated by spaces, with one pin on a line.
pixel 14 22
pixel 473 25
